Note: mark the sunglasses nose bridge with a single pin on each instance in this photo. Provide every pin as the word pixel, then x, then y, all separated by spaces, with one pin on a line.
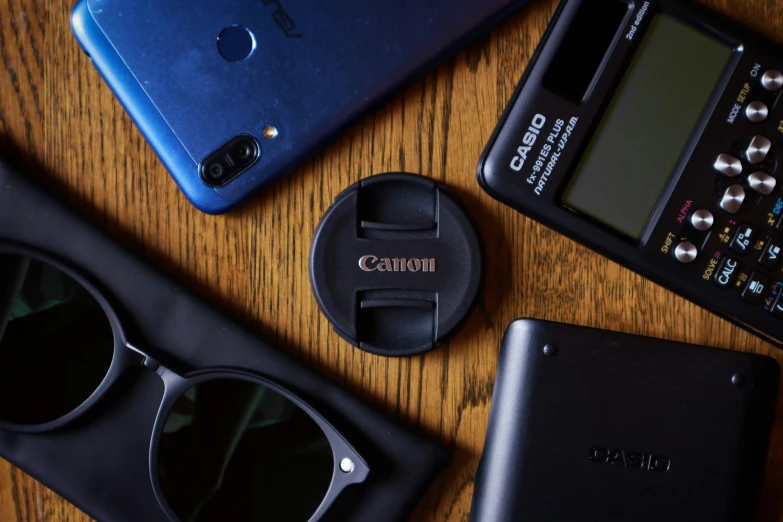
pixel 149 361
pixel 173 383
pixel 170 377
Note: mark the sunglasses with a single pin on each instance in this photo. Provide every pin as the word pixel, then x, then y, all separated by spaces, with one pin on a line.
pixel 226 444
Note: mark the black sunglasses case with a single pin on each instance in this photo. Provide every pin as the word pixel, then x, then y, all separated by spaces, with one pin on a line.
pixel 100 461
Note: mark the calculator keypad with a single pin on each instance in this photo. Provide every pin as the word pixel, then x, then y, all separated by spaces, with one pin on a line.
pixel 756 288
pixel 728 165
pixel 758 149
pixel 732 199
pixel 747 260
pixel 762 183
pixel 770 256
pixel 743 240
pixel 757 112
pixel 702 220
pixel 777 308
pixel 772 80
pixel 686 252
pixel 727 272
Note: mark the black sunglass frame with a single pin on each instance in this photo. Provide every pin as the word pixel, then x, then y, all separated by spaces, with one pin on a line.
pixel 348 466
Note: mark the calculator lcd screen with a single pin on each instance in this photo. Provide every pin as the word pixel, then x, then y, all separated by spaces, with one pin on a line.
pixel 647 125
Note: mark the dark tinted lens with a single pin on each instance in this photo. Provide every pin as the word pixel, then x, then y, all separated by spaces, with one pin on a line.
pixel 236 450
pixel 56 342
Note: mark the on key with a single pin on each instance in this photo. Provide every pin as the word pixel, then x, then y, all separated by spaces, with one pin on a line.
pixel 744 239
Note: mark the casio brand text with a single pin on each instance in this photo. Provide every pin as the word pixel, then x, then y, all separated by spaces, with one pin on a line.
pixel 629 459
pixel 528 140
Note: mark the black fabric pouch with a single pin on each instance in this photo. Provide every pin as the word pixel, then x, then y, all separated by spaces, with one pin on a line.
pixel 100 461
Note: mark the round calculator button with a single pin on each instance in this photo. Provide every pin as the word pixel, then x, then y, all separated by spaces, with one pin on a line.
pixel 728 165
pixel 772 80
pixel 762 183
pixel 732 199
pixel 686 252
pixel 757 112
pixel 702 220
pixel 758 149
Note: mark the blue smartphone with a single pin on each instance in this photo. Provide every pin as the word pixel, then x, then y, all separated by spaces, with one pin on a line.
pixel 232 94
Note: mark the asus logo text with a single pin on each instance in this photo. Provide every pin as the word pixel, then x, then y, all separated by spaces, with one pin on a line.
pixel 282 19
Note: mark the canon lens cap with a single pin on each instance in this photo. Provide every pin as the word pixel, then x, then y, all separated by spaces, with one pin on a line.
pixel 395 264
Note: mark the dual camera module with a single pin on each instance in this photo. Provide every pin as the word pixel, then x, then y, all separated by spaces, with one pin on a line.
pixel 230 160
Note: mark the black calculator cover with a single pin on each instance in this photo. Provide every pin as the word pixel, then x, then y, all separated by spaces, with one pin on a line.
pixel 100 461
pixel 591 425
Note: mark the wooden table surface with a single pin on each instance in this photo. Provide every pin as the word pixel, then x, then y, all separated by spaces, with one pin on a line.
pixel 56 112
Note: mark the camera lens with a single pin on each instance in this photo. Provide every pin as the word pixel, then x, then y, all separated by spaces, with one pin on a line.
pixel 229 160
pixel 245 151
pixel 215 170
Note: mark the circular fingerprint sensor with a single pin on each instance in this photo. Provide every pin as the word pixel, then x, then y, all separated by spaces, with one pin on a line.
pixel 236 43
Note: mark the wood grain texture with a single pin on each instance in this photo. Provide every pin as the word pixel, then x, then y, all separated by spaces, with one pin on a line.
pixel 56 112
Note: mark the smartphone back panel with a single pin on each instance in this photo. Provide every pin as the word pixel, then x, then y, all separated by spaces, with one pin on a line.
pixel 315 67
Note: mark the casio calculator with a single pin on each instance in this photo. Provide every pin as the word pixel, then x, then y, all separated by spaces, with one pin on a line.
pixel 652 132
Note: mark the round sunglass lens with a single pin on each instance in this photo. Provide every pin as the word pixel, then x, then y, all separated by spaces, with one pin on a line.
pixel 236 450
pixel 56 342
